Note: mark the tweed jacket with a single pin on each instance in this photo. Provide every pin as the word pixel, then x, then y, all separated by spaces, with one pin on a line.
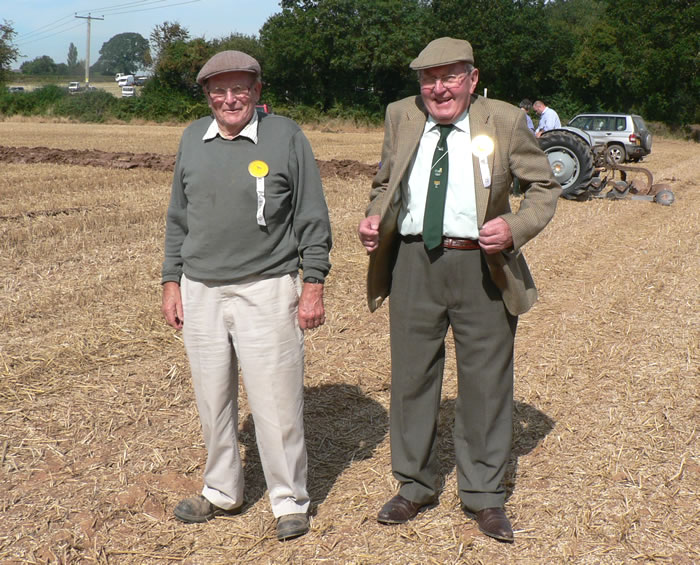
pixel 516 154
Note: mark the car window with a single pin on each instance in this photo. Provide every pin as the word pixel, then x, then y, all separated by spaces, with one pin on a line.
pixel 639 124
pixel 581 122
pixel 620 123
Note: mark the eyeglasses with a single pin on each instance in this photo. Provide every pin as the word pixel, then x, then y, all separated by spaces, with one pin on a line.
pixel 239 91
pixel 448 81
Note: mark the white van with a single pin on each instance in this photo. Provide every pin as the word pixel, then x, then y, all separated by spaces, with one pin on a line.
pixel 126 80
pixel 128 91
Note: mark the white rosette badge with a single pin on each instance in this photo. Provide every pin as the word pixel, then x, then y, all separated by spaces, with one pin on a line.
pixel 482 147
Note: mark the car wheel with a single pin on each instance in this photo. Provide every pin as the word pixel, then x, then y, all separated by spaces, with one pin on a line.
pixel 616 154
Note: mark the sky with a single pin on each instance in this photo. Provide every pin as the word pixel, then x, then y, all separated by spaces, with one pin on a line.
pixel 47 27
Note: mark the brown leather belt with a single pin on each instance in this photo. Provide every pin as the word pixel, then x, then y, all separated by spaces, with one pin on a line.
pixel 447 242
pixel 458 243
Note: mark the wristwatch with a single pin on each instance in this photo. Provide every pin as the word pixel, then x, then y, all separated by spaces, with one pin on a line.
pixel 312 280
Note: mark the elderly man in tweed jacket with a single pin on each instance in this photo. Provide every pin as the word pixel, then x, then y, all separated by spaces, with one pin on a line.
pixel 443 239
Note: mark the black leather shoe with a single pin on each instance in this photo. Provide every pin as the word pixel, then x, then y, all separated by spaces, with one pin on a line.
pixel 399 510
pixel 292 526
pixel 494 523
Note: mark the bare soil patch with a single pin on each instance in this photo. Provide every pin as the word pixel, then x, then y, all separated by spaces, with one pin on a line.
pixel 99 434
pixel 345 168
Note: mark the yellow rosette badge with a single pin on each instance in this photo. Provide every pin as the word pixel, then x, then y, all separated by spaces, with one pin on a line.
pixel 258 169
pixel 482 146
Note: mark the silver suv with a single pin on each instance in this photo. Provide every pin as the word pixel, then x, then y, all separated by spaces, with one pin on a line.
pixel 625 136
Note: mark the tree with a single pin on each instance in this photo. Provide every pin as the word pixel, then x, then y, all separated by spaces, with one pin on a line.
pixel 347 52
pixel 178 65
pixel 43 65
pixel 124 53
pixel 239 42
pixel 640 57
pixel 512 49
pixel 165 34
pixel 8 52
pixel 72 60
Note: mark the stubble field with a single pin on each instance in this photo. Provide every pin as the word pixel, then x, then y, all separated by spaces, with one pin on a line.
pixel 99 433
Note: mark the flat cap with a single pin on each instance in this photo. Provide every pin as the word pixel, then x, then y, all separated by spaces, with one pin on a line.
pixel 443 51
pixel 227 62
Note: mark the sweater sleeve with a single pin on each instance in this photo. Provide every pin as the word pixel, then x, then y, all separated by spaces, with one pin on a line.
pixel 175 225
pixel 312 225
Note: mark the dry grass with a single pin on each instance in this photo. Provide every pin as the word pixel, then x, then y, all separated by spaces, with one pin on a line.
pixel 99 435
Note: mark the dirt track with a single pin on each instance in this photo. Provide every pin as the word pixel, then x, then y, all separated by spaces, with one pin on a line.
pixel 343 168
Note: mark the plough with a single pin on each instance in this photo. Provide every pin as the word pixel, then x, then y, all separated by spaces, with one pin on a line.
pixel 636 189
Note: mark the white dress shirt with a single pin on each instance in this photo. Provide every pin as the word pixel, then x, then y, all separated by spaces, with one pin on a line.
pixel 460 204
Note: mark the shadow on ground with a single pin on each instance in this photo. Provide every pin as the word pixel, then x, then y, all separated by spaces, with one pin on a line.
pixel 342 425
pixel 530 427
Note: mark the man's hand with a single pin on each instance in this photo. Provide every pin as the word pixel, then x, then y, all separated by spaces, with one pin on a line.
pixel 495 236
pixel 311 311
pixel 368 231
pixel 172 305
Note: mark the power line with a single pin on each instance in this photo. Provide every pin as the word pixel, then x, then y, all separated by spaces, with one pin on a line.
pixel 41 38
pixel 137 6
pixel 59 26
pixel 156 8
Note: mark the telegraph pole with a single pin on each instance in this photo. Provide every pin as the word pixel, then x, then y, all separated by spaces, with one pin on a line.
pixel 89 19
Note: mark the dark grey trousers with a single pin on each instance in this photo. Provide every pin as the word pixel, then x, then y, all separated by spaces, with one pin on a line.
pixel 431 292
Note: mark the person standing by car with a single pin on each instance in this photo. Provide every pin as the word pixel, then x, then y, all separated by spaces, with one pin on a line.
pixel 442 237
pixel 246 211
pixel 549 119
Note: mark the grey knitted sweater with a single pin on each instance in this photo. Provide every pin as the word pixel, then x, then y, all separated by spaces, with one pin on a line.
pixel 212 229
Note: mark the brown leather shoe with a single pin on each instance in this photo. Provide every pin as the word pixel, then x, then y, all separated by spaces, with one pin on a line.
pixel 494 523
pixel 399 510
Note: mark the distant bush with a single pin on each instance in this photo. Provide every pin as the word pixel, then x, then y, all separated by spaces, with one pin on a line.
pixel 91 106
pixel 159 103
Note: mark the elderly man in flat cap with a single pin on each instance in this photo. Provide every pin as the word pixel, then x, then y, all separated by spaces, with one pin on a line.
pixel 442 237
pixel 246 212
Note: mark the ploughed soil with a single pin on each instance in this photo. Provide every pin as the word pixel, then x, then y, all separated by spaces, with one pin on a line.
pixel 343 168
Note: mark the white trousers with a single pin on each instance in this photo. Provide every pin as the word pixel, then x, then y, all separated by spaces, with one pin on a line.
pixel 255 324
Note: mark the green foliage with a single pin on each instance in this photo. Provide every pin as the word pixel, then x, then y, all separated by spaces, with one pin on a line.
pixel 72 59
pixel 92 106
pixel 8 52
pixel 165 34
pixel 40 101
pixel 348 52
pixel 44 65
pixel 158 102
pixel 123 53
pixel 635 56
pixel 179 64
pixel 240 42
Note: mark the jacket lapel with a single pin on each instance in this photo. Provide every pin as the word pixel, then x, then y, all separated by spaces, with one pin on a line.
pixel 480 123
pixel 409 133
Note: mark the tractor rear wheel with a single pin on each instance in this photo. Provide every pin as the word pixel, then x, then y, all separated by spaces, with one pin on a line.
pixel 571 160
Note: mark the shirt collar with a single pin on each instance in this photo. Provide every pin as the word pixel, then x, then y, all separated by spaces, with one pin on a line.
pixel 461 123
pixel 250 130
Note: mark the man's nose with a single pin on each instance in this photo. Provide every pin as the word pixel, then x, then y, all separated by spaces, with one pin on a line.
pixel 439 86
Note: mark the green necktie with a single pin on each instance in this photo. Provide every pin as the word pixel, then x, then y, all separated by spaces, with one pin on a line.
pixel 437 192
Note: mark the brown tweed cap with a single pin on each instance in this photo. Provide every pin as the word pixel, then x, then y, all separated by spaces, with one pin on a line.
pixel 443 51
pixel 226 62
